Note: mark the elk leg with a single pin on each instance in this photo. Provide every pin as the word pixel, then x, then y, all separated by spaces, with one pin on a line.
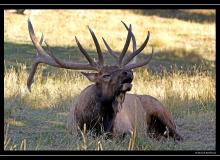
pixel 155 128
pixel 164 125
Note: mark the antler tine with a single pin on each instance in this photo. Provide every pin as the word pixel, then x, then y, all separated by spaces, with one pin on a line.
pixel 69 65
pixel 61 63
pixel 85 53
pixel 31 76
pixel 37 45
pixel 110 50
pixel 140 64
pixel 125 46
pixel 132 36
pixel 131 56
pixel 101 60
pixel 133 41
pixel 41 39
pixel 34 68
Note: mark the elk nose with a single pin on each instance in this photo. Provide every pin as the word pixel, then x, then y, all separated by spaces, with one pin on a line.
pixel 128 74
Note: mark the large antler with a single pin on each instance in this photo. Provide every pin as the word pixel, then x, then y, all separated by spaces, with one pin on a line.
pixel 50 59
pixel 130 62
pixel 120 57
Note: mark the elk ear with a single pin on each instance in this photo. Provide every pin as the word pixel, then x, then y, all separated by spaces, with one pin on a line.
pixel 91 76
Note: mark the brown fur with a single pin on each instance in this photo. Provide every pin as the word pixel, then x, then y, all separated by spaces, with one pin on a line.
pixel 137 111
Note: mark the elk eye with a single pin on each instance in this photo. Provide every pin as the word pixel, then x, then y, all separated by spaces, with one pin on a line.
pixel 106 76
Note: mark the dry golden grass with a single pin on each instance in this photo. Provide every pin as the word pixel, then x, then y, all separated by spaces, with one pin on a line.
pixel 53 88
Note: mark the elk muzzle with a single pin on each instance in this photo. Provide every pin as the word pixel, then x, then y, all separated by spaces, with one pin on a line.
pixel 126 81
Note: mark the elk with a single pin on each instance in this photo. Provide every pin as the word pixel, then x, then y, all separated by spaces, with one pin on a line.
pixel 105 104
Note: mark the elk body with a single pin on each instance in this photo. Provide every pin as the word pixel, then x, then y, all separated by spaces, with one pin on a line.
pixel 105 105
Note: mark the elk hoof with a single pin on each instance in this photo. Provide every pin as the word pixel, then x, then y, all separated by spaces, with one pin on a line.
pixel 178 138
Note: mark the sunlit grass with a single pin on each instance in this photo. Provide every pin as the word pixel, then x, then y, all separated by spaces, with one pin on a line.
pixel 53 88
pixel 177 83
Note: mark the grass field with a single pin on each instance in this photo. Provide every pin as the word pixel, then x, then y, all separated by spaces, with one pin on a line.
pixel 181 75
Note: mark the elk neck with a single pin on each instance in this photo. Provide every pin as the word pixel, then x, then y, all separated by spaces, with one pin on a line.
pixel 109 107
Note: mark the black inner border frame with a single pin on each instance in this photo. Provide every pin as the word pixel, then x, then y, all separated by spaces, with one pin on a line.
pixel 117 6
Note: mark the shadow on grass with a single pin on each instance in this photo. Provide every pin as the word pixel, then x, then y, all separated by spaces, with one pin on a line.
pixel 188 62
pixel 25 53
pixel 179 14
pixel 17 107
pixel 181 59
pixel 43 128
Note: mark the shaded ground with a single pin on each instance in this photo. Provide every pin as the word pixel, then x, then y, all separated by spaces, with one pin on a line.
pixel 163 61
pixel 186 15
pixel 45 129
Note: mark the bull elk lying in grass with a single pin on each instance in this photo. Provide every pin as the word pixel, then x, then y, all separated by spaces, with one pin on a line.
pixel 104 105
